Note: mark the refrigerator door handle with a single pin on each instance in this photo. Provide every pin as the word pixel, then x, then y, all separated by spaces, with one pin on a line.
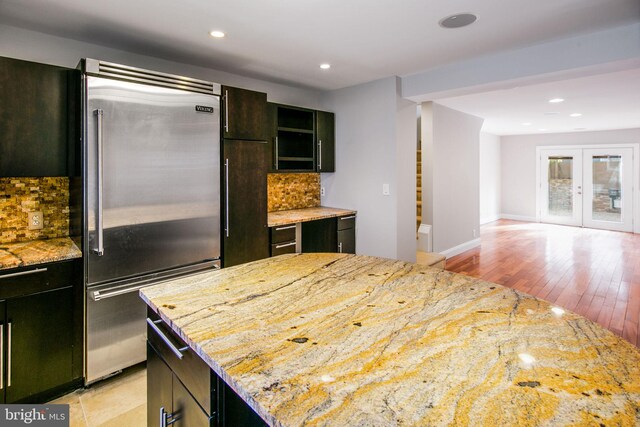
pixel 100 295
pixel 99 249
pixel 226 196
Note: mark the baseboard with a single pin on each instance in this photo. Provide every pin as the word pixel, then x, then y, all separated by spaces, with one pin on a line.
pixel 519 217
pixel 489 219
pixel 461 248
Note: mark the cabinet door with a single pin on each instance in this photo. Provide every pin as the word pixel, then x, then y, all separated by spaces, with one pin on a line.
pixel 33 123
pixel 245 232
pixel 159 385
pixel 347 241
pixel 186 410
pixel 326 140
pixel 320 235
pixel 39 343
pixel 245 114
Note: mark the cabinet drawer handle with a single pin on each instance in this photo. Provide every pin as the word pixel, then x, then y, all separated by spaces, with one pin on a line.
pixel 340 247
pixel 342 218
pixel 23 273
pixel 276 156
pixel 285 245
pixel 163 337
pixel 285 228
pixel 319 155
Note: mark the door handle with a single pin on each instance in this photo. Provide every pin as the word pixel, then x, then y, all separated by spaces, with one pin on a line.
pixel 226 196
pixel 319 155
pixel 1 358
pixel 9 354
pixel 99 249
pixel 340 247
pixel 275 157
pixel 226 111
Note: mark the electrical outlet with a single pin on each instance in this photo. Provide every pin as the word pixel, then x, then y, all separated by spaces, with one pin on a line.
pixel 322 191
pixel 474 232
pixel 36 220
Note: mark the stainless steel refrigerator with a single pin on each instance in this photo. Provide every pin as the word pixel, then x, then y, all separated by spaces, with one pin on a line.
pixel 151 198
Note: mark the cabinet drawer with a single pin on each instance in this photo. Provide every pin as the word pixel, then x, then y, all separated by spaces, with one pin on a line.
pixel 346 222
pixel 192 371
pixel 38 278
pixel 283 248
pixel 283 233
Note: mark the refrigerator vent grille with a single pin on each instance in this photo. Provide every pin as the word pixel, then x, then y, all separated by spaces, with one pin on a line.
pixel 123 72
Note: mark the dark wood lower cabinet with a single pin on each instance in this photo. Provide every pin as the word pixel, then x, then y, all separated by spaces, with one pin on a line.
pixel 320 235
pixel 40 332
pixel 39 343
pixel 347 241
pixel 185 390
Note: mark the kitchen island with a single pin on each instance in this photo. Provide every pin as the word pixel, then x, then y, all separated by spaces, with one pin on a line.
pixel 335 339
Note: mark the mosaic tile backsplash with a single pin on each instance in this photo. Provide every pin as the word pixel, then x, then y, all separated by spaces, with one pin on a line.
pixel 292 191
pixel 19 196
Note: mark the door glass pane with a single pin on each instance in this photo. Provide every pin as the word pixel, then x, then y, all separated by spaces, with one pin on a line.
pixel 561 186
pixel 607 191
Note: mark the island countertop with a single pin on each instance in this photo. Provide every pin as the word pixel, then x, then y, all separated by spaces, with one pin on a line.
pixel 292 216
pixel 341 340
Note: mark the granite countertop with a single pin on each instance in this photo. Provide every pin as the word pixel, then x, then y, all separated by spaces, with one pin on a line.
pixel 23 254
pixel 347 340
pixel 307 214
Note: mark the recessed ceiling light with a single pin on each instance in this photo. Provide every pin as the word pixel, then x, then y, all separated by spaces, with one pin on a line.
pixel 458 20
pixel 551 113
pixel 325 66
pixel 575 115
pixel 526 124
pixel 217 34
pixel 556 100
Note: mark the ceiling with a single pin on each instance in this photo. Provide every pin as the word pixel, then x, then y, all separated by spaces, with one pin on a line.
pixel 606 101
pixel 286 40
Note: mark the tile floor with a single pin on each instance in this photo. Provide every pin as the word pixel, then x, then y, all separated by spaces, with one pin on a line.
pixel 118 401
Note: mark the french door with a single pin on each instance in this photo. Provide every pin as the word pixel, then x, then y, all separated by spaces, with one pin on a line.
pixel 590 187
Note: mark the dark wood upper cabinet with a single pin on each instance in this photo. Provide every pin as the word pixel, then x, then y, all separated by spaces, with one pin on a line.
pixel 245 234
pixel 244 114
pixel 301 140
pixel 38 118
pixel 326 142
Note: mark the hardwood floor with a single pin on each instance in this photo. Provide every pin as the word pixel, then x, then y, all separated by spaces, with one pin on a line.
pixel 594 273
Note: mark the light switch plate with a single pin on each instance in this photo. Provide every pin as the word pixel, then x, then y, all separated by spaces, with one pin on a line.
pixel 385 189
pixel 36 220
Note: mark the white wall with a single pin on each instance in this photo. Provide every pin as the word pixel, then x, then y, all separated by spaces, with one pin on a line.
pixel 371 150
pixel 38 47
pixel 518 164
pixel 490 182
pixel 452 140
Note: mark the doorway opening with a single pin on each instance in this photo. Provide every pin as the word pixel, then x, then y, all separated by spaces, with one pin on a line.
pixel 587 186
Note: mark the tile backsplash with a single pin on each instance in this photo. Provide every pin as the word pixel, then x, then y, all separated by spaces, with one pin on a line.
pixel 292 191
pixel 19 196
